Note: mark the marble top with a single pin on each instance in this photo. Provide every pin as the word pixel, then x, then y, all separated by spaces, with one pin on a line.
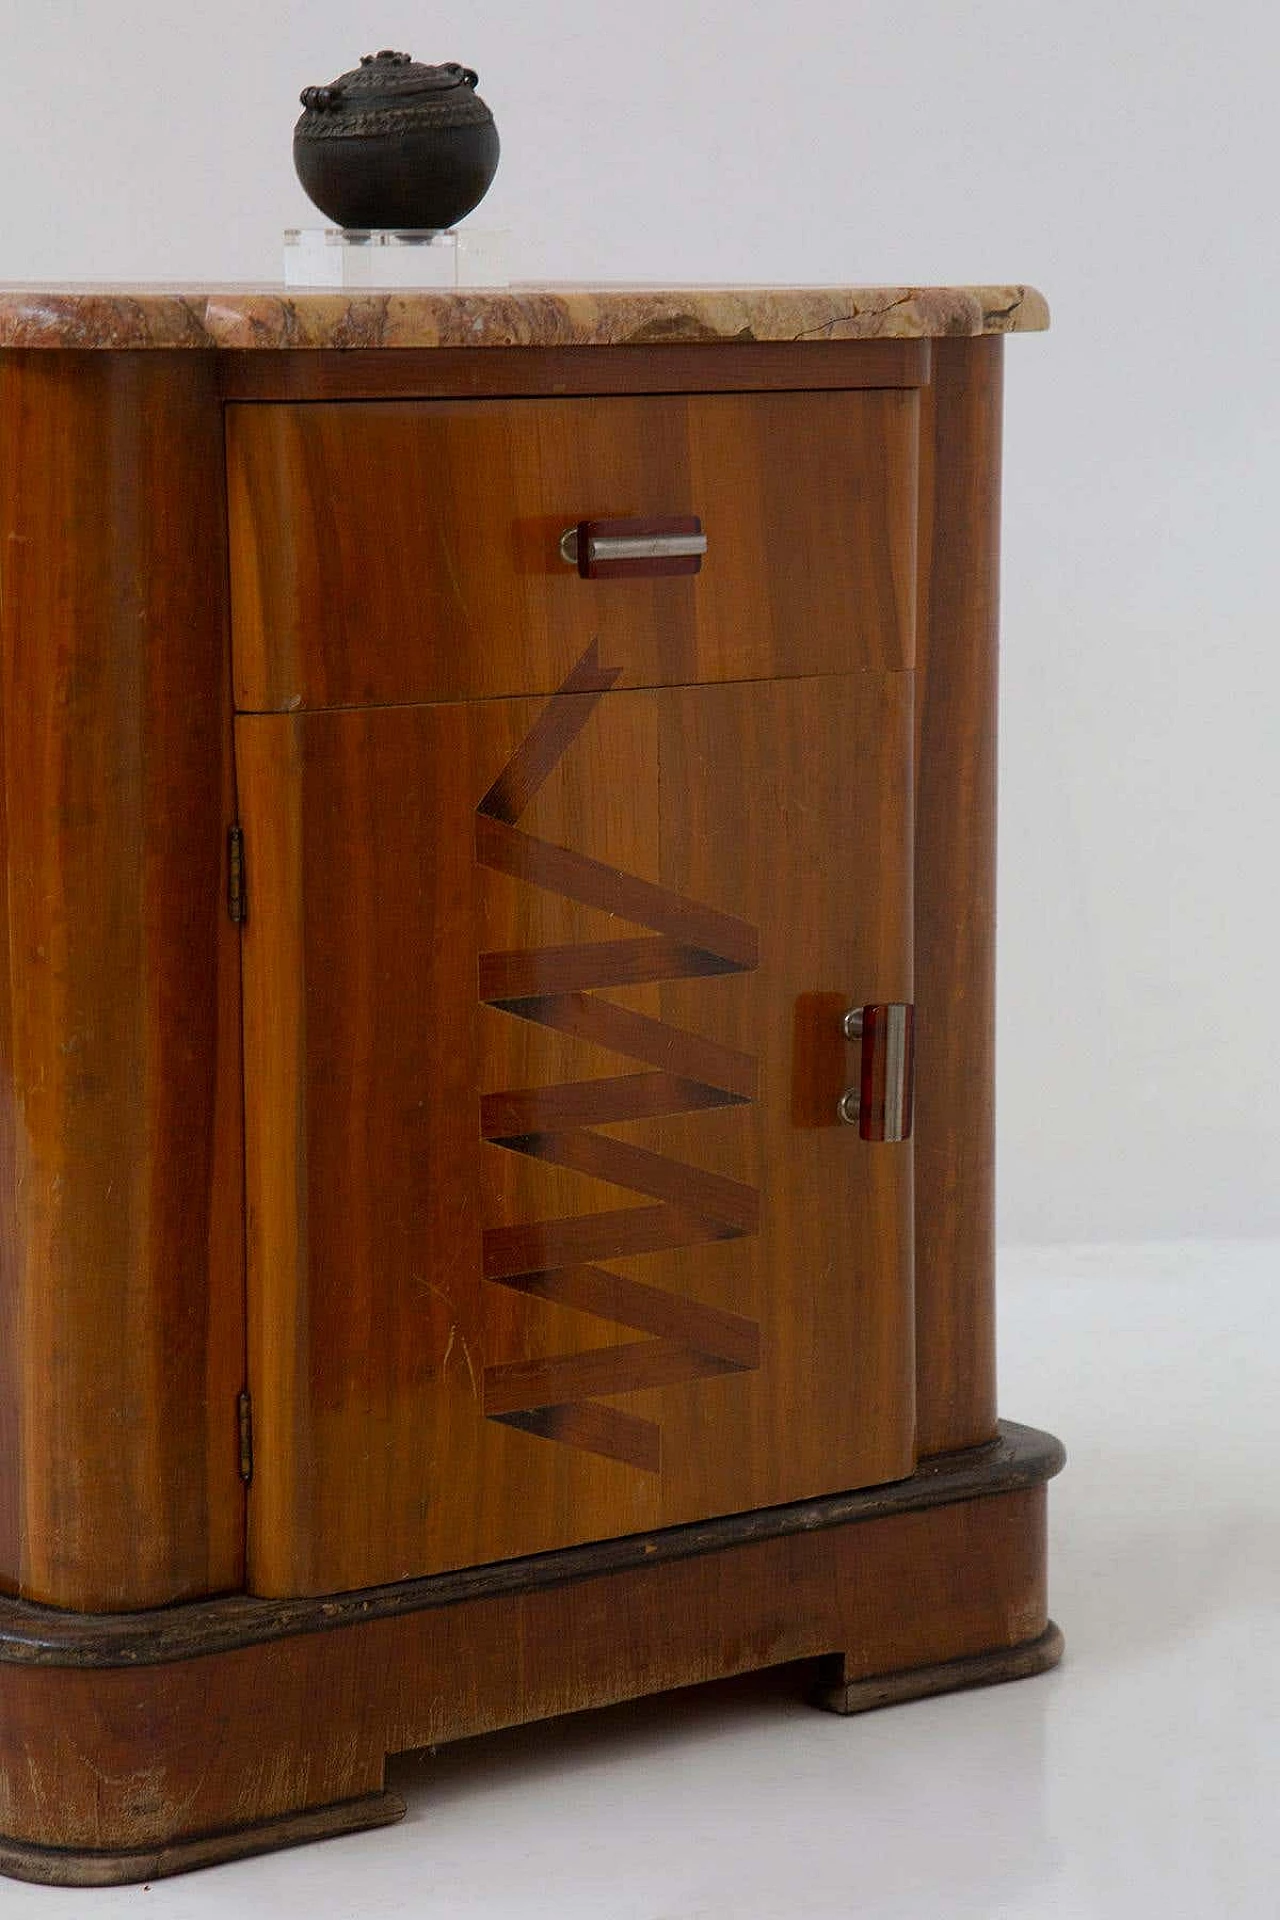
pixel 517 316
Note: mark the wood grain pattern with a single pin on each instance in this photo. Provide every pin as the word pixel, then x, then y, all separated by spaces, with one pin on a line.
pixel 955 865
pixel 592 1103
pixel 121 1260
pixel 409 550
pixel 545 1395
pixel 631 1303
pixel 728 941
pixel 637 1036
pixel 139 1866
pixel 553 1237
pixel 268 1731
pixel 823 1062
pixel 593 1425
pixel 1019 1457
pixel 729 1204
pixel 520 980
pixel 384 1327
pixel 617 1234
pixel 990 1669
pixel 773 366
pixel 521 1385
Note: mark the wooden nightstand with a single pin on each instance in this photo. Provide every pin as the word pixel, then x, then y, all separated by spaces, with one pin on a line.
pixel 498 814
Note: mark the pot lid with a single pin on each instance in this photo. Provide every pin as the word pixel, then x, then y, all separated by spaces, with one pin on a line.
pixel 387 78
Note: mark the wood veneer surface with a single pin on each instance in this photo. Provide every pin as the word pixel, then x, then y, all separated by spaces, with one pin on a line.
pixel 425 373
pixel 121 1265
pixel 137 1757
pixel 537 1254
pixel 955 874
pixel 102 466
pixel 404 551
pixel 121 1254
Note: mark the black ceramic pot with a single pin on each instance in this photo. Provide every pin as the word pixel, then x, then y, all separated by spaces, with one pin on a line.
pixel 396 144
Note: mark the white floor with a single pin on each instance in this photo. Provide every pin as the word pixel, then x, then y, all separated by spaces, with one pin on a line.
pixel 1141 1778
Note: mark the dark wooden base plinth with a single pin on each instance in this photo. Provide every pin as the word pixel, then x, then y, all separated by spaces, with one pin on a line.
pixel 988 1669
pixel 133 1746
pixel 97 1867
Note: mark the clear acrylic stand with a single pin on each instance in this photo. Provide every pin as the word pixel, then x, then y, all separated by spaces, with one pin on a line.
pixel 382 257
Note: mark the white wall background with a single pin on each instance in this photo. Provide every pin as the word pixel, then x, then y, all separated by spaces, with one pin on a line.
pixel 1121 157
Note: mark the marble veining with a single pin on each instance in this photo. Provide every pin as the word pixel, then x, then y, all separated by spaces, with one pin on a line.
pixel 516 316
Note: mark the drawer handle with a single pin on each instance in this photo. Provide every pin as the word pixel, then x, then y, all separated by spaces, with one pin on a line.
pixel 880 1105
pixel 624 549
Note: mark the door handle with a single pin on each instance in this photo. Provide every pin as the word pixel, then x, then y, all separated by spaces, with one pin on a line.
pixel 622 549
pixel 880 1105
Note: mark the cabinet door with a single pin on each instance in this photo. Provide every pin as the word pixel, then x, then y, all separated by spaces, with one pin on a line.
pixel 546 1241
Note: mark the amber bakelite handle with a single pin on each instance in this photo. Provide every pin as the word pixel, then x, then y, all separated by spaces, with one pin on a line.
pixel 880 1106
pixel 636 548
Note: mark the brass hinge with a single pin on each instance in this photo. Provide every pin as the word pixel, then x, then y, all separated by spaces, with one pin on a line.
pixel 237 903
pixel 244 1412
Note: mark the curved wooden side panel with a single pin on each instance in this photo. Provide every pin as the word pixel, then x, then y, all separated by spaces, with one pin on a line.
pixel 121 1298
pixel 955 895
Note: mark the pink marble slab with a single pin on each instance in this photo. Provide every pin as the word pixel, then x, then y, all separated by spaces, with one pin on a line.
pixel 517 316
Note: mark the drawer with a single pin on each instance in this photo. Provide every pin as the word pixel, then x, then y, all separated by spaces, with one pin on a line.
pixel 403 551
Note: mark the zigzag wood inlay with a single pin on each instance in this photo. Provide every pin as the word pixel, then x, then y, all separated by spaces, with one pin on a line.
pixel 554 731
pixel 593 884
pixel 633 1303
pixel 593 1103
pixel 603 963
pixel 550 986
pixel 596 1236
pixel 596 1429
pixel 641 1038
pixel 574 1376
pixel 624 1165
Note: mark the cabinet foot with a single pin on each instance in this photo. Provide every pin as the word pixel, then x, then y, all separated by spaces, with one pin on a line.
pixel 136 1745
pixel 836 1694
pixel 97 1867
